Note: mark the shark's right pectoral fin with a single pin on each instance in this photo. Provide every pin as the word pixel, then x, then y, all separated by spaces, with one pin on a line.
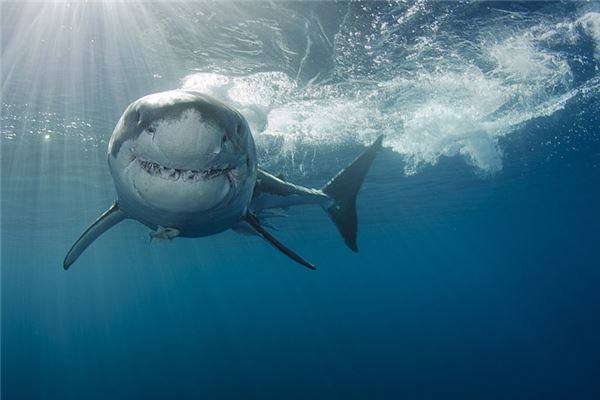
pixel 253 222
pixel 110 218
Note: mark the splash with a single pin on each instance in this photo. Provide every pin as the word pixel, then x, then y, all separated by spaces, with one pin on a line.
pixel 590 23
pixel 442 96
pixel 425 116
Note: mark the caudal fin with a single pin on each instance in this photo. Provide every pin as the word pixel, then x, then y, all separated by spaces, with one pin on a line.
pixel 343 189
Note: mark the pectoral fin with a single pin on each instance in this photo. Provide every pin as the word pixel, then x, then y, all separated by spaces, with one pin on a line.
pixel 262 232
pixel 110 218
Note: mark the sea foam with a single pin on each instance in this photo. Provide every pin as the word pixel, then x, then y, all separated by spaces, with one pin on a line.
pixel 590 23
pixel 426 111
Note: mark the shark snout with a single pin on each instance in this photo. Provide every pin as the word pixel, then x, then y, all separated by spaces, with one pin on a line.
pixel 183 143
pixel 191 141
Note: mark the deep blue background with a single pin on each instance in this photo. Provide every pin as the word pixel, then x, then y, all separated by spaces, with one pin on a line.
pixel 467 285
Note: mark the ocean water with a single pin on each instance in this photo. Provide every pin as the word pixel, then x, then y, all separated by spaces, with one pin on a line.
pixel 478 275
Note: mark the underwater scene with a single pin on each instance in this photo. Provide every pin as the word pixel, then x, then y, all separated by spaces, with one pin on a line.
pixel 436 163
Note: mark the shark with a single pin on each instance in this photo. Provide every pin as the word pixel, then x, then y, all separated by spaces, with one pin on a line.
pixel 184 164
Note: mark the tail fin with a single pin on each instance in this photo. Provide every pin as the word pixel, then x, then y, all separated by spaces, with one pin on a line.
pixel 343 189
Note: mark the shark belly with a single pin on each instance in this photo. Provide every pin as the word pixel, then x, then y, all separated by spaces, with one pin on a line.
pixel 189 223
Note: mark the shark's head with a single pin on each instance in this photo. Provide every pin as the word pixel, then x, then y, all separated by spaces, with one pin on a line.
pixel 182 152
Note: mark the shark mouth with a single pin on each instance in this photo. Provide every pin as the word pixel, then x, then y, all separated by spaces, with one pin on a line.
pixel 186 175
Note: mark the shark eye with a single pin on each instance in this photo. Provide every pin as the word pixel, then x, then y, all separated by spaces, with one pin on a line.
pixel 150 129
pixel 225 138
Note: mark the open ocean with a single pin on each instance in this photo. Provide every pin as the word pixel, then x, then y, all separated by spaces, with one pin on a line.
pixel 478 275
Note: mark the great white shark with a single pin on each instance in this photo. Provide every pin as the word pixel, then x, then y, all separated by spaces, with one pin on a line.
pixel 184 164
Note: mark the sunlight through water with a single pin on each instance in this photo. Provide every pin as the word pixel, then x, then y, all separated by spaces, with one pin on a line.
pixel 477 272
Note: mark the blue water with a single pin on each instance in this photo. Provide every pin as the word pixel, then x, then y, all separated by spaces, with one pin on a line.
pixel 478 275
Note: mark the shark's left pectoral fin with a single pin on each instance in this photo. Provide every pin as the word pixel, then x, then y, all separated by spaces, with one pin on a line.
pixel 110 218
pixel 263 233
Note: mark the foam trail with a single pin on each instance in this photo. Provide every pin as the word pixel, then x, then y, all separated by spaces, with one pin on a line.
pixel 590 23
pixel 442 110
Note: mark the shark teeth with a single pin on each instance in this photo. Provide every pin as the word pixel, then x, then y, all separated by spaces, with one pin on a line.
pixel 186 175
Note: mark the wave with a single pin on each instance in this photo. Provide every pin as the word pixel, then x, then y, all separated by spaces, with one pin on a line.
pixel 590 23
pixel 459 107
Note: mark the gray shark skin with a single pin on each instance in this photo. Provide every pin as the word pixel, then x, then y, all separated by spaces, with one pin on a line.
pixel 184 164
